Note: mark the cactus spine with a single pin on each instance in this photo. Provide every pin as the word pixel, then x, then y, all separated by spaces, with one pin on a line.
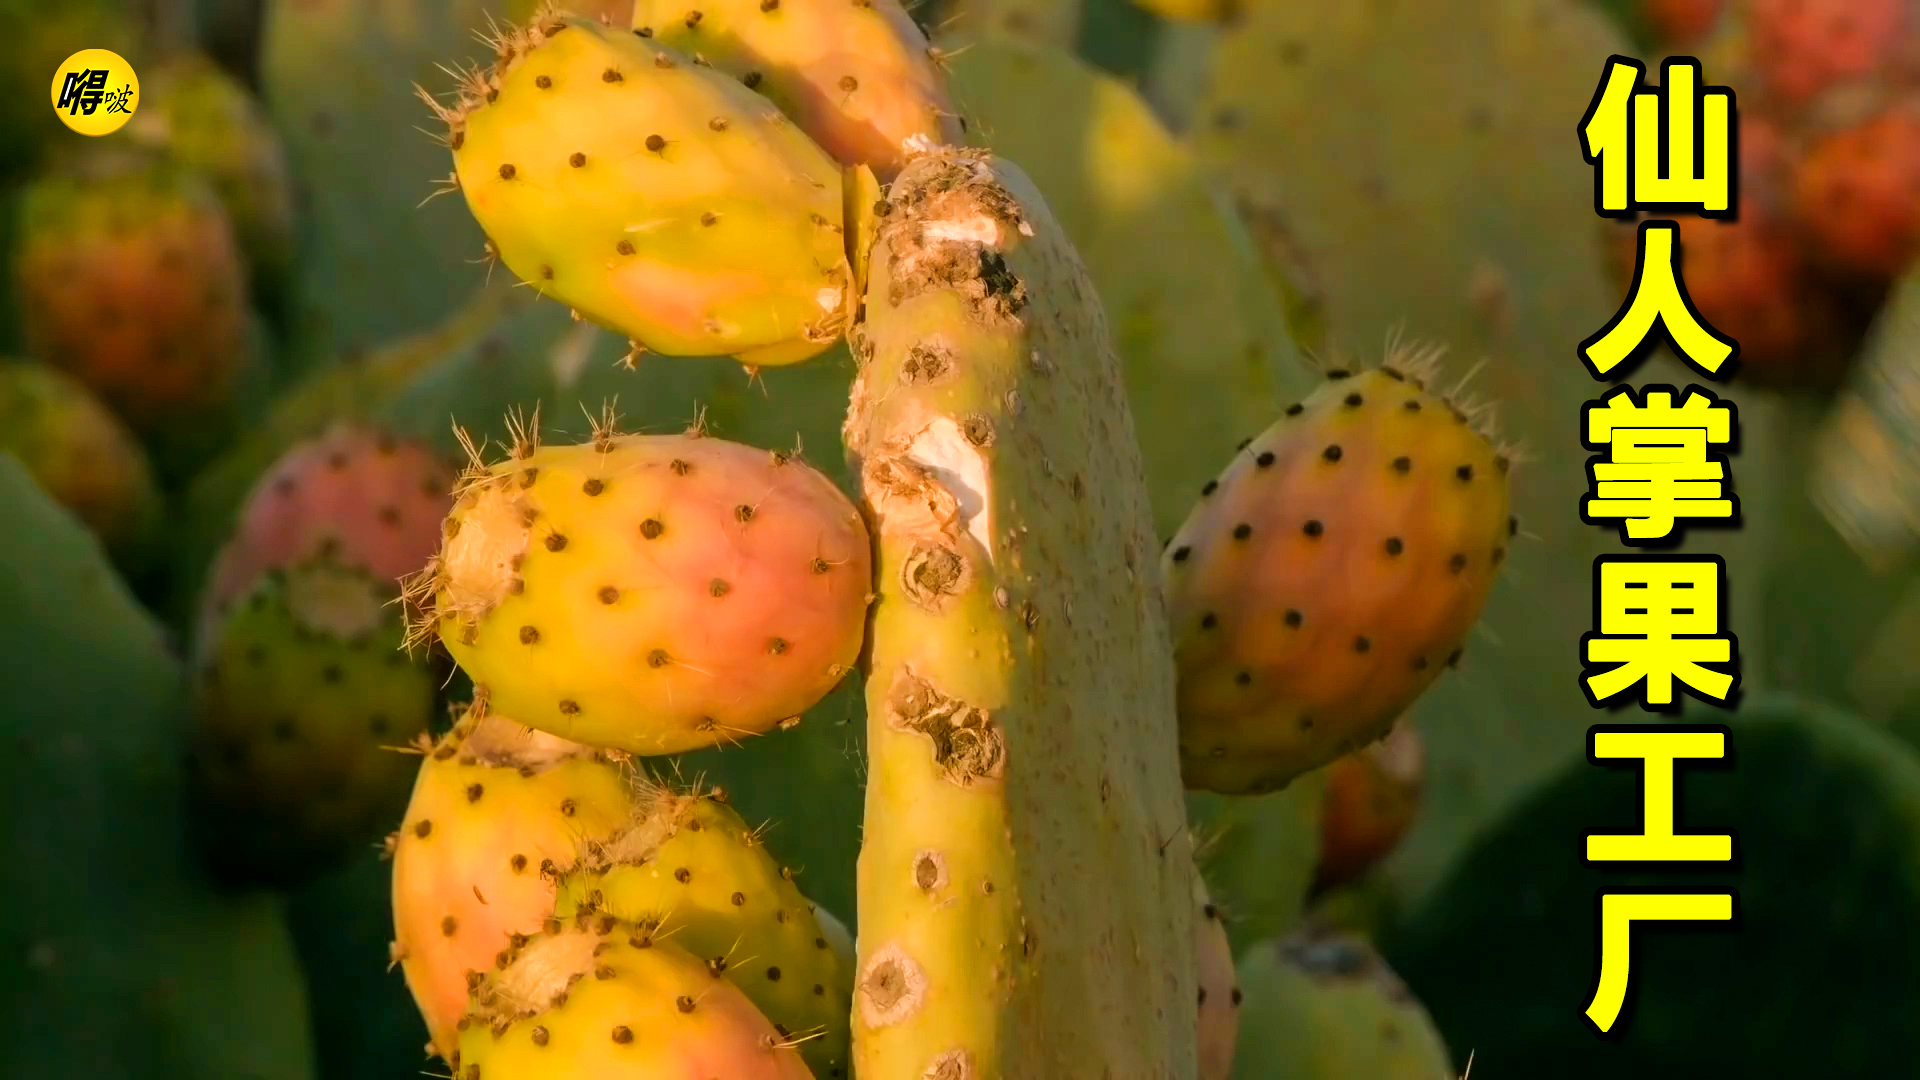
pixel 1025 881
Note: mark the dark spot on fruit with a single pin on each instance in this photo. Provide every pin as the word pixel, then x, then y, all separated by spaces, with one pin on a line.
pixel 449 926
pixel 1209 621
pixel 506 172
pixel 684 1003
pixel 718 588
pixel 1338 373
pixel 1331 453
pixel 577 159
pixel 1296 409
pixel 422 827
pixel 1395 546
pixel 658 658
pixel 623 1034
pixel 751 78
pixel 1180 553
pixel 610 75
pixel 594 487
pixel 474 791
pixel 569 707
pixel 777 646
pixel 1313 529
pixel 529 635
pixel 708 218
pixel 1402 464
pixel 1242 531
pixel 567 807
pixel 1453 658
pixel 1464 472
pixel 1353 401
pixel 518 864
pixel 1264 460
pixel 540 1036
pixel 1392 373
pixel 680 467
pixel 1457 563
pixel 1513 526
pixel 1211 487
pixel 819 565
pixel 1361 644
pixel 1244 443
pixel 544 82
pixel 1419 663
pixel 743 513
pixel 1412 405
pixel 1499 555
pixel 848 84
pixel 1243 678
pixel 651 528
pixel 608 594
pixel 1293 618
pixel 656 144
pixel 739 899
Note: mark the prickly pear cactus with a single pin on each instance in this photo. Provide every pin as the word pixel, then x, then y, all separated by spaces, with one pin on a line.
pixel 1437 233
pixel 727 585
pixel 207 120
pixel 1372 799
pixel 687 869
pixel 497 810
pixel 1323 1006
pixel 653 195
pixel 1373 513
pixel 607 1001
pixel 858 78
pixel 1206 355
pixel 1219 996
pixel 120 959
pixel 83 456
pixel 305 704
pixel 130 278
pixel 1825 811
pixel 358 495
pixel 1019 701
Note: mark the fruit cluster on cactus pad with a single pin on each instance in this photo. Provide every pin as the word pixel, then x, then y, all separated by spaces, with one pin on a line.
pixel 687 869
pixel 608 1000
pixel 652 194
pixel 1330 574
pixel 497 810
pixel 649 593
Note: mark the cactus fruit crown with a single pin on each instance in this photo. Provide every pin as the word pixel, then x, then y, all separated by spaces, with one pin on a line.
pixel 651 194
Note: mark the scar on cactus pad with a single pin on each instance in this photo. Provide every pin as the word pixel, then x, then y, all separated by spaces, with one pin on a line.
pixel 685 868
pixel 655 196
pixel 648 593
pixel 857 77
pixel 498 809
pixel 610 1002
pixel 1331 572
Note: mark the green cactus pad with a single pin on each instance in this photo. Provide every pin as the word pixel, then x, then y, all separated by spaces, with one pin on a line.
pixel 1815 979
pixel 1025 880
pixel 120 960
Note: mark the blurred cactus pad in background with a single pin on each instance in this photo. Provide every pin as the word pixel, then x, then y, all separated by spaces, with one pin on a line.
pixel 972 540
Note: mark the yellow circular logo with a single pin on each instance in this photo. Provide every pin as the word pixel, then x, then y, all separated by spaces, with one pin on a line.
pixel 95 92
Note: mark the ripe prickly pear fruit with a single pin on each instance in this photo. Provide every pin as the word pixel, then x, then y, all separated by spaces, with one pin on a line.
pixel 1330 574
pixel 1219 988
pixel 688 870
pixel 357 495
pixel 497 808
pixel 82 455
pixel 649 593
pixel 655 196
pixel 857 77
pixel 1801 47
pixel 1855 190
pixel 128 276
pixel 1368 804
pixel 206 120
pixel 1325 1005
pixel 610 1002
pixel 302 698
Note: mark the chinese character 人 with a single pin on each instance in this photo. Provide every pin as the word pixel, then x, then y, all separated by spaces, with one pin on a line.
pixel 1657 295
pixel 1659 620
pixel 1657 471
pixel 1622 137
pixel 82 90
